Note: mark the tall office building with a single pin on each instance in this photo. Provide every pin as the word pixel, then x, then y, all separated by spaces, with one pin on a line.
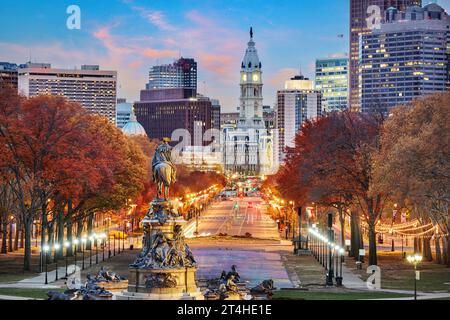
pixel 269 117
pixel 406 58
pixel 93 88
pixel 366 15
pixel 298 102
pixel 123 114
pixel 248 148
pixel 180 74
pixel 332 80
pixel 8 75
pixel 162 111
pixel 215 104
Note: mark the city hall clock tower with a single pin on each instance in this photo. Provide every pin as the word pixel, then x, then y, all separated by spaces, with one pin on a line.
pixel 251 99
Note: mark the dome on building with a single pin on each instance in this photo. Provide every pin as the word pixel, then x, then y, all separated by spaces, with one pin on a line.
pixel 433 7
pixel 251 59
pixel 434 11
pixel 133 127
pixel 391 13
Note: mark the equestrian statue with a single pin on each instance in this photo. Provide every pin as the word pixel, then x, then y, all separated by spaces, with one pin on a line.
pixel 163 169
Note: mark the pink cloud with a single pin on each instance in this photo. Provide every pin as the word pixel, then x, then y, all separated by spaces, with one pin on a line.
pixel 156 18
pixel 199 19
pixel 155 53
pixel 278 78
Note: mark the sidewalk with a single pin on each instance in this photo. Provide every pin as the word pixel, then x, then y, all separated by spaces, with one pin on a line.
pixel 38 282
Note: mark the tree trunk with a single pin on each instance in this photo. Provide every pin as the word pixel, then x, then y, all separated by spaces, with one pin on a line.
pixel 4 237
pixel 69 237
pixel 27 251
pixel 90 225
pixel 444 250
pixel 356 243
pixel 50 239
pixel 10 238
pixel 437 248
pixel 22 237
pixel 60 233
pixel 426 245
pixel 43 233
pixel 447 250
pixel 342 222
pixel 372 244
pixel 80 224
pixel 16 237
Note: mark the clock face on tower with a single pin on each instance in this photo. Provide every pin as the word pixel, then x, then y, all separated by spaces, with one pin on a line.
pixel 244 77
pixel 255 77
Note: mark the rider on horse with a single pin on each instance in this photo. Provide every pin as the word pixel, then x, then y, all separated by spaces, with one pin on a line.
pixel 163 156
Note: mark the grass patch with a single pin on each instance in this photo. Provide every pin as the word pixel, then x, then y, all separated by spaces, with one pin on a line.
pixel 314 295
pixel 397 273
pixel 28 293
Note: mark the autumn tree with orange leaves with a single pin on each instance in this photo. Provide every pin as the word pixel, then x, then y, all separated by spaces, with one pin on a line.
pixel 59 161
pixel 332 164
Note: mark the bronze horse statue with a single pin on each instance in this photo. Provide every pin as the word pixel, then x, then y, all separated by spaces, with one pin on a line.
pixel 164 171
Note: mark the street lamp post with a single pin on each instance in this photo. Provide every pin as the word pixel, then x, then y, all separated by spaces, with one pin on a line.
pixel 109 245
pixel 415 260
pixel 330 273
pixel 75 242
pixel 340 252
pixel 114 244
pixel 91 238
pixel 103 237
pixel 56 247
pixel 96 248
pixel 46 248
pixel 66 245
pixel 83 247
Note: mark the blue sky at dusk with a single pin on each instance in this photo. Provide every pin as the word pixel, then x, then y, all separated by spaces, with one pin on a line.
pixel 131 35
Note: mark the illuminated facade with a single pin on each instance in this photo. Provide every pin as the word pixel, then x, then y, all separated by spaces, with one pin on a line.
pixel 332 80
pixel 162 112
pixel 93 88
pixel 406 58
pixel 294 107
pixel 365 15
pixel 8 75
pixel 248 148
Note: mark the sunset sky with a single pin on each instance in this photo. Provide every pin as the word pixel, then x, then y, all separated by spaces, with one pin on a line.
pixel 131 35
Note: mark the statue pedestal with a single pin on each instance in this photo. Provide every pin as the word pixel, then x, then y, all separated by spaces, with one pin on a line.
pixel 165 269
pixel 167 281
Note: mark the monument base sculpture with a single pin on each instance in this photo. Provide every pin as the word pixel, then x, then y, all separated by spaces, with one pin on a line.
pixel 165 268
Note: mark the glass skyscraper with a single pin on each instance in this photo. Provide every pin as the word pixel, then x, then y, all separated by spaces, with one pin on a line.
pixel 406 58
pixel 180 74
pixel 332 80
pixel 364 16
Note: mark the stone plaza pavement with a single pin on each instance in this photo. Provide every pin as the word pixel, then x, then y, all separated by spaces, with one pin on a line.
pixel 255 263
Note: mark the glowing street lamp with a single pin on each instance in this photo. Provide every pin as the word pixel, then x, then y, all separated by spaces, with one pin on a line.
pixel 56 247
pixel 415 260
pixel 66 245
